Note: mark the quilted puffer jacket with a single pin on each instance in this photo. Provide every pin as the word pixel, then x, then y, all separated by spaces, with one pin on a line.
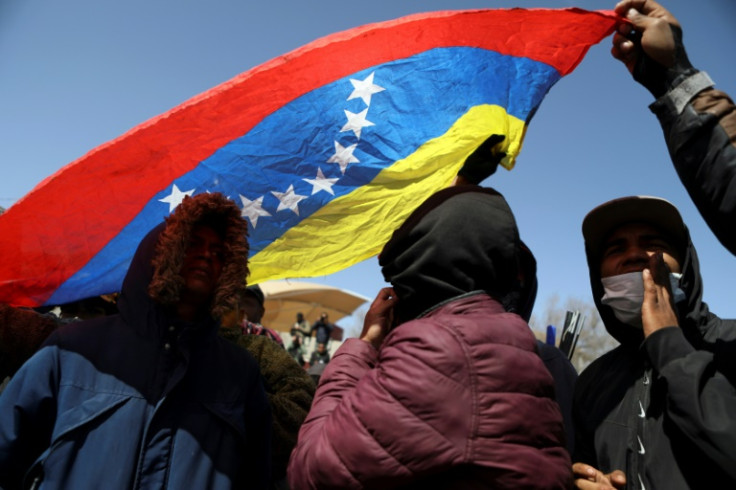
pixel 457 396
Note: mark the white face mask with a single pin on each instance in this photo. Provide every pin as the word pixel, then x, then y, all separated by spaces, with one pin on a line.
pixel 625 294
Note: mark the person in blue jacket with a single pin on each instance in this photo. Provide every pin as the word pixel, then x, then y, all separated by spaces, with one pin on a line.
pixel 151 397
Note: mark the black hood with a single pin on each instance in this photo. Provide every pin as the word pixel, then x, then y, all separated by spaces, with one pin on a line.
pixel 693 312
pixel 461 240
pixel 134 302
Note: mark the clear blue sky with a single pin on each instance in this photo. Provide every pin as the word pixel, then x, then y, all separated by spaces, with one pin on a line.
pixel 78 73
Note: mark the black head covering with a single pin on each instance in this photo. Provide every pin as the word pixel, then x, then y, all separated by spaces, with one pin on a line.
pixel 257 293
pixel 462 239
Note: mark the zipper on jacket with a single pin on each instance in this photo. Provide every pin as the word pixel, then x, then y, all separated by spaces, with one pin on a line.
pixel 36 475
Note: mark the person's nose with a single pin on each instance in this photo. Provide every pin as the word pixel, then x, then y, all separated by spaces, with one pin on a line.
pixel 203 252
pixel 635 255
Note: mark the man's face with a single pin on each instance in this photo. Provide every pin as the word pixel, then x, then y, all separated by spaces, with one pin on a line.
pixel 629 247
pixel 203 262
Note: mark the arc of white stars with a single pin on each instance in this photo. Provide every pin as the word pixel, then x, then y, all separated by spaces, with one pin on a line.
pixel 176 197
pixel 253 209
pixel 356 122
pixel 365 89
pixel 343 156
pixel 321 183
pixel 288 200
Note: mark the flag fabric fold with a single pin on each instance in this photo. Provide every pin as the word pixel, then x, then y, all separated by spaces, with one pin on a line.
pixel 326 149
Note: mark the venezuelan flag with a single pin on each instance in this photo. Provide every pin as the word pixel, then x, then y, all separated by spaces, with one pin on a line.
pixel 326 149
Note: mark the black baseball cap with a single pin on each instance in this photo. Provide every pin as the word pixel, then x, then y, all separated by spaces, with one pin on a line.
pixel 599 223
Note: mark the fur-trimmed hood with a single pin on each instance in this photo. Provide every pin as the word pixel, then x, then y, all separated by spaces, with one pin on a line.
pixel 154 280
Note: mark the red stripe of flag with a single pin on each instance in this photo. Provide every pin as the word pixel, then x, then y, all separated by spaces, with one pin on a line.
pixel 118 178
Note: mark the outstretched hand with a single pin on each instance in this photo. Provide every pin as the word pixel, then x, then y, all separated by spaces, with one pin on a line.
pixel 589 478
pixel 652 22
pixel 650 44
pixel 379 318
pixel 483 162
pixel 657 310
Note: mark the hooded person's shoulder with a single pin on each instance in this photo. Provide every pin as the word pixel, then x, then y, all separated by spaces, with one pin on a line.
pixel 92 332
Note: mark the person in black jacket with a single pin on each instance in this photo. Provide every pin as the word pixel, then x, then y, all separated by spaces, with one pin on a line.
pixel 699 122
pixel 659 410
pixel 324 328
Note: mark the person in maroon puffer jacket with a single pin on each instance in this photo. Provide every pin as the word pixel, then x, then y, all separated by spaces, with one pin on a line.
pixel 445 388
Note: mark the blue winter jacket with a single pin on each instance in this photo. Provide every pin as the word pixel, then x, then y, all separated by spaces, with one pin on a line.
pixel 136 401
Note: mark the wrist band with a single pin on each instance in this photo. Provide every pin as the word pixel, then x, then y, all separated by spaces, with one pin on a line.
pixel 677 98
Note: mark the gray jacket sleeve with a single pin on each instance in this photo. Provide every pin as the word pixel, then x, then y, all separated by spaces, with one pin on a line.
pixel 699 125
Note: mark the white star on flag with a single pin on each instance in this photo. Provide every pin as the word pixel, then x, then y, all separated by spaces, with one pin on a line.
pixel 343 156
pixel 288 200
pixel 176 197
pixel 253 209
pixel 356 122
pixel 365 89
pixel 320 183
